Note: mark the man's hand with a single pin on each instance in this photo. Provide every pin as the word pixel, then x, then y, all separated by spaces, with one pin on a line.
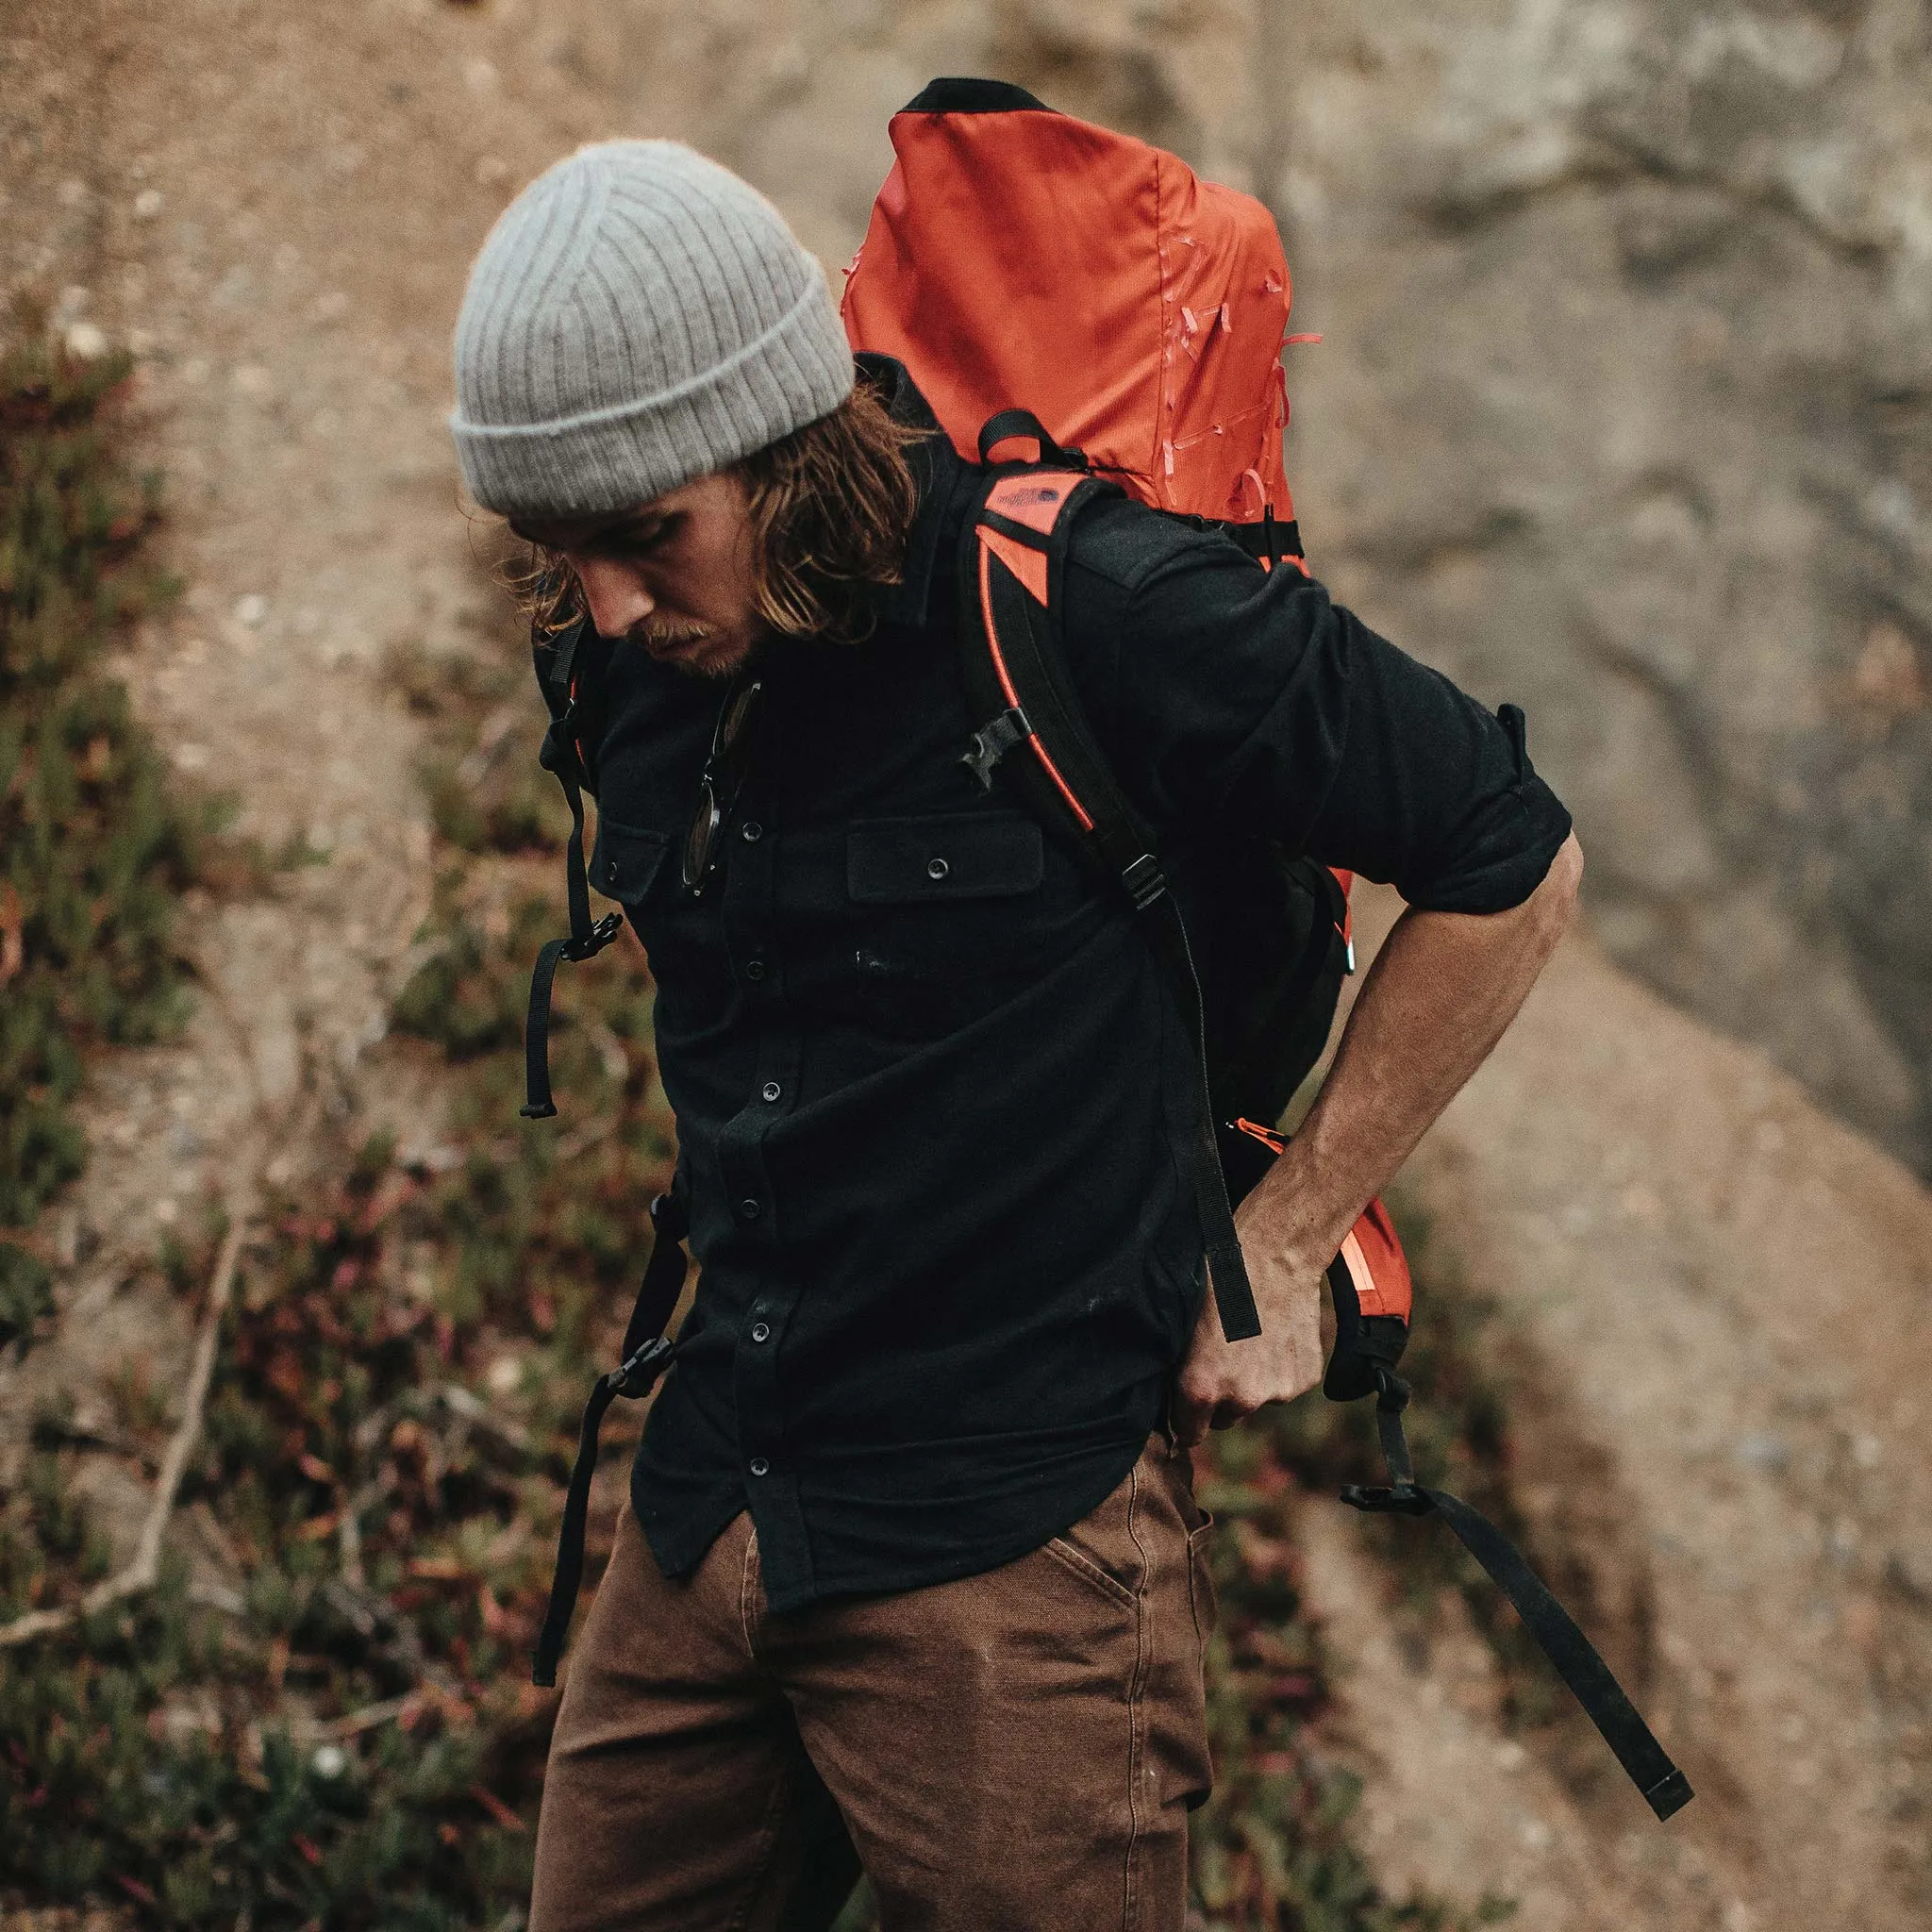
pixel 1222 1381
pixel 1441 990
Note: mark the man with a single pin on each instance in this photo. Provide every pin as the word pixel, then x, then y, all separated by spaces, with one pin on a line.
pixel 911 1524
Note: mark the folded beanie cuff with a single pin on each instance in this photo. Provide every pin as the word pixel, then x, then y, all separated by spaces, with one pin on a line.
pixel 615 458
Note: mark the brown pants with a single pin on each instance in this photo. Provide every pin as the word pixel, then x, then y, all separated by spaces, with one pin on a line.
pixel 1010 1753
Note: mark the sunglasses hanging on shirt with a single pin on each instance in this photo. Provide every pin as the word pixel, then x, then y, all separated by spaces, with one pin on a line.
pixel 726 766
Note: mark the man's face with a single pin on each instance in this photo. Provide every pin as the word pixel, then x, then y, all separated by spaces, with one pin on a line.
pixel 672 576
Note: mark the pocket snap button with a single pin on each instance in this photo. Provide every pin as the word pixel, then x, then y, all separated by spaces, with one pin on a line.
pixel 936 867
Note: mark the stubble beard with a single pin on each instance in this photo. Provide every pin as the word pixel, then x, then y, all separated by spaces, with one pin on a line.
pixel 697 650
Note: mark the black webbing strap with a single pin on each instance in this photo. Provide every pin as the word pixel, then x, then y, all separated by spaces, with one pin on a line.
pixel 1029 646
pixel 647 1355
pixel 1200 1148
pixel 584 940
pixel 1665 1789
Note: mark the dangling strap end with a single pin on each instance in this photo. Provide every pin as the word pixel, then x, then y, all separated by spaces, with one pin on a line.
pixel 538 1110
pixel 1233 1296
pixel 1670 1795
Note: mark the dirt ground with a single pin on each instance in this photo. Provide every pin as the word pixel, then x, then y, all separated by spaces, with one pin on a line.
pixel 1722 1293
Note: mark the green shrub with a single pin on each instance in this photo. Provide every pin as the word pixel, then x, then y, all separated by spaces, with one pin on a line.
pixel 94 848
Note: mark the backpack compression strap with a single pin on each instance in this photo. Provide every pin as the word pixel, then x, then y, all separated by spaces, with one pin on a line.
pixel 565 667
pixel 647 1353
pixel 1665 1789
pixel 1372 1300
pixel 1011 563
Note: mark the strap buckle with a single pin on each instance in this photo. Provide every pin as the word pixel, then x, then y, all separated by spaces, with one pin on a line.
pixel 635 1375
pixel 1144 881
pixel 596 939
pixel 1375 1499
pixel 991 742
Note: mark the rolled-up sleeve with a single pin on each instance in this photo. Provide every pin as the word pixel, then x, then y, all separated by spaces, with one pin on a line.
pixel 1228 696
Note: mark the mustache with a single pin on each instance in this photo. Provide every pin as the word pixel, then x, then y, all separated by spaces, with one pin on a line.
pixel 665 636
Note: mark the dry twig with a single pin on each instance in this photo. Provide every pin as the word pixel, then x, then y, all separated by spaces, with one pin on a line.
pixel 146 1569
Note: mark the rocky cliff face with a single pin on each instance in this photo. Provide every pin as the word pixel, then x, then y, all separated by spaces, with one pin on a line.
pixel 1624 410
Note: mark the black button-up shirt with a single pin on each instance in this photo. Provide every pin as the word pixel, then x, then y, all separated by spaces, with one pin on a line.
pixel 948 1265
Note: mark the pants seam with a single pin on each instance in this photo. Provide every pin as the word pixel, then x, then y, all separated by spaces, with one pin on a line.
pixel 768 1830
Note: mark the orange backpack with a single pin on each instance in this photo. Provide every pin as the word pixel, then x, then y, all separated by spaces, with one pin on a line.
pixel 1020 256
pixel 1047 281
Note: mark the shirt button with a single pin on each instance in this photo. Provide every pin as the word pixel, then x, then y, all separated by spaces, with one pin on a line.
pixel 753 969
pixel 748 1208
pixel 761 1331
pixel 771 1090
pixel 750 831
pixel 760 1466
pixel 936 867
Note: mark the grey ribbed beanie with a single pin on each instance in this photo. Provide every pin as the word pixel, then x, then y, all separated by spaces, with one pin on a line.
pixel 638 317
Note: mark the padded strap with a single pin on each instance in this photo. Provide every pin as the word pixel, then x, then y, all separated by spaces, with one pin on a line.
pixel 1013 655
pixel 647 1355
pixel 1665 1789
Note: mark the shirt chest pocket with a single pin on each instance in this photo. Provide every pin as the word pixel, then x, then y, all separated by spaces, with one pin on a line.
pixel 945 897
pixel 640 870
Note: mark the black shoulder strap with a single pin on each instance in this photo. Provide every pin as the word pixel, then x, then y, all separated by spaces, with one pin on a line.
pixel 568 665
pixel 1012 564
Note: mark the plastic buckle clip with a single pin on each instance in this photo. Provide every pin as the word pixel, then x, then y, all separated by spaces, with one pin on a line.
pixel 991 742
pixel 634 1377
pixel 1144 881
pixel 596 939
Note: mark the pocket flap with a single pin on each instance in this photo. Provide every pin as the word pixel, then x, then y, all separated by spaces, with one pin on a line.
pixel 625 860
pixel 963 855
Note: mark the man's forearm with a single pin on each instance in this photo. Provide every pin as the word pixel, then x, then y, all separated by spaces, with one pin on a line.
pixel 1439 996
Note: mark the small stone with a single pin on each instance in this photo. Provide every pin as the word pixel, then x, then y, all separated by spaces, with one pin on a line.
pixel 253 381
pixel 1868 1452
pixel 506 1375
pixel 191 757
pixel 148 204
pixel 86 340
pixel 330 1762
pixel 251 611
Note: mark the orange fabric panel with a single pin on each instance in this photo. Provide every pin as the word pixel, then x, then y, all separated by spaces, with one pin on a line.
pixel 1378 1265
pixel 1031 260
pixel 1028 565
